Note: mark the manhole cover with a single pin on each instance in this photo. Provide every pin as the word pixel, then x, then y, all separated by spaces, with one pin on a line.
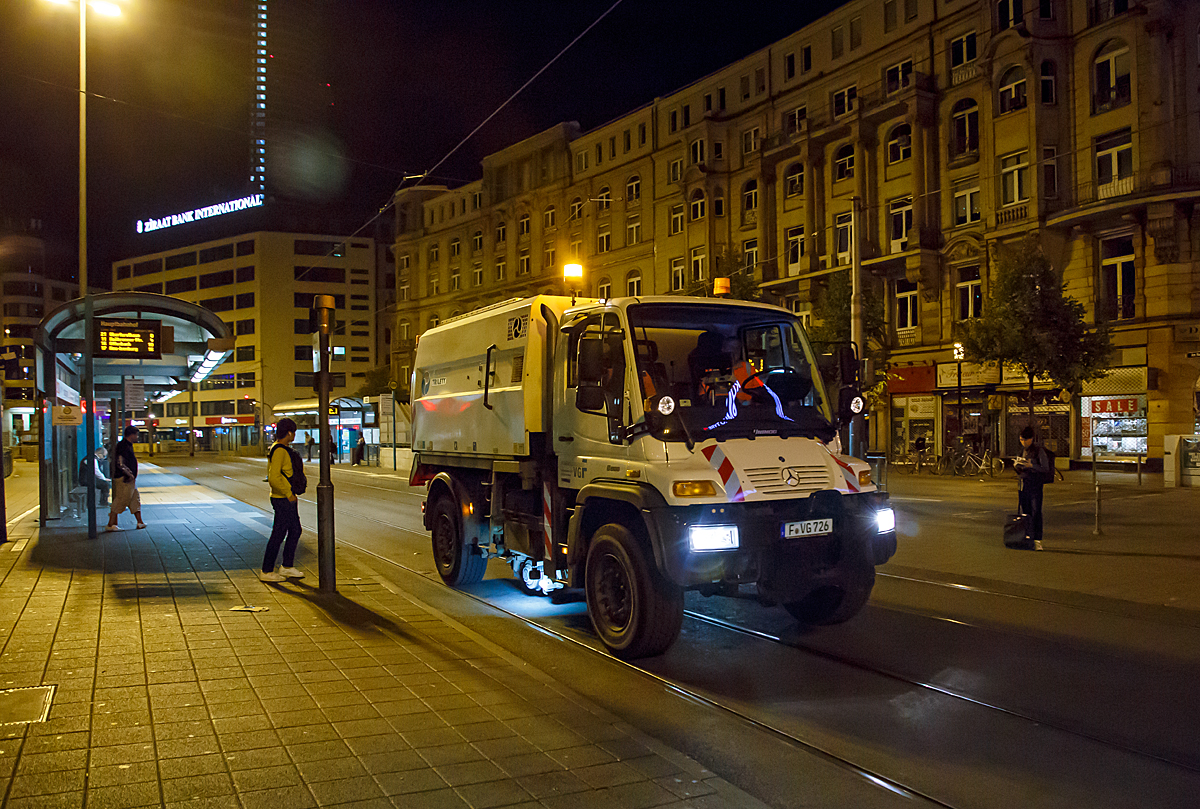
pixel 23 705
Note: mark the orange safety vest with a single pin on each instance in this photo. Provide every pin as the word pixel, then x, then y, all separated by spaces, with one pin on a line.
pixel 742 371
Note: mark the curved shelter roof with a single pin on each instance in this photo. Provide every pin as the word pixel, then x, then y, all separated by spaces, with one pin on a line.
pixel 198 334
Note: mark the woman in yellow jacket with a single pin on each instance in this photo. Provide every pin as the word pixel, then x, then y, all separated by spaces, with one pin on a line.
pixel 282 465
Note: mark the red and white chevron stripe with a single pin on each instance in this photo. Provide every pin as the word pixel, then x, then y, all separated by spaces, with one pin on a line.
pixel 724 467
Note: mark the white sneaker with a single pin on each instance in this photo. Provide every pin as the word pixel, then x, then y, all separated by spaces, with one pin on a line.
pixel 270 576
pixel 290 573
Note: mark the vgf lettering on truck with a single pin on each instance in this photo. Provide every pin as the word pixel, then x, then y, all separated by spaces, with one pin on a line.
pixel 637 448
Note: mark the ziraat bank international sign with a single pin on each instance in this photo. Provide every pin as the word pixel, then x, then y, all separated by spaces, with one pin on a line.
pixel 233 205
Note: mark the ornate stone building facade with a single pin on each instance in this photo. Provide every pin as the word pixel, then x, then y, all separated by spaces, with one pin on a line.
pixel 936 129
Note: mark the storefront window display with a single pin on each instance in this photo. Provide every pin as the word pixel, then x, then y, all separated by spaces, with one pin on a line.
pixel 978 421
pixel 1114 425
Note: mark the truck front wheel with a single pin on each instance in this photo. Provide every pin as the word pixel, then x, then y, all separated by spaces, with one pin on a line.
pixel 832 605
pixel 457 563
pixel 635 610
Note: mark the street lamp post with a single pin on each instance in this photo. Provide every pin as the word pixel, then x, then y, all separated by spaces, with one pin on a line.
pixel 959 355
pixel 573 278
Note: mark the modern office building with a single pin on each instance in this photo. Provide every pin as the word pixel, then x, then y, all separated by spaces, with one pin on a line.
pixel 33 279
pixel 955 127
pixel 263 284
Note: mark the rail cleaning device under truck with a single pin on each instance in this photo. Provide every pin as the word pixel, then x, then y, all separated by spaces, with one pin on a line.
pixel 637 448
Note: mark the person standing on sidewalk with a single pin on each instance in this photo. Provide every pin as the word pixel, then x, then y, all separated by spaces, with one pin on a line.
pixel 124 481
pixel 308 445
pixel 285 471
pixel 1033 472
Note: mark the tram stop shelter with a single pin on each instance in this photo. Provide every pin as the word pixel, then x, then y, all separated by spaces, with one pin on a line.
pixel 168 344
pixel 347 416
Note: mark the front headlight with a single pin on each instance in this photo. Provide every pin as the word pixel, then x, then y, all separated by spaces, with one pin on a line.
pixel 694 488
pixel 713 537
pixel 885 520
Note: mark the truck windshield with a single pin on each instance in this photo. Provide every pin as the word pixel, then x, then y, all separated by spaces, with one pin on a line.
pixel 732 370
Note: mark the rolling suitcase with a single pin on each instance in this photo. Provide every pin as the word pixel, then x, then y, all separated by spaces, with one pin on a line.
pixel 1016 530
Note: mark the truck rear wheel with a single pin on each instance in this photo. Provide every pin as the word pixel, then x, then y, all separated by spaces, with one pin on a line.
pixel 457 563
pixel 832 605
pixel 635 610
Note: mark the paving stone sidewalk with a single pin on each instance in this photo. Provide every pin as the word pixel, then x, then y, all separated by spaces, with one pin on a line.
pixel 164 696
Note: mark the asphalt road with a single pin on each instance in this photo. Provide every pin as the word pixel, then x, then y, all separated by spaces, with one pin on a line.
pixel 967 688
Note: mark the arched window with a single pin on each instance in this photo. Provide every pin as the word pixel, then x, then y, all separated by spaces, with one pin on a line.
pixel 1012 89
pixel 633 284
pixel 750 196
pixel 964 127
pixel 455 248
pixel 477 242
pixel 1048 88
pixel 434 320
pixel 633 190
pixel 434 251
pixel 523 225
pixel 405 330
pixel 501 232
pixel 697 205
pixel 843 163
pixel 576 210
pixel 1112 85
pixel 793 181
pixel 899 145
pixel 604 288
pixel 604 200
pixel 548 217
pixel 455 313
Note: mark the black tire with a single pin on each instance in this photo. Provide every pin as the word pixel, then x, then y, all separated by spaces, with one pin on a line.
pixel 634 609
pixel 457 563
pixel 833 605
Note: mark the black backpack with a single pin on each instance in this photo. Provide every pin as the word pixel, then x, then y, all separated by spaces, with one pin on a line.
pixel 298 479
pixel 1048 477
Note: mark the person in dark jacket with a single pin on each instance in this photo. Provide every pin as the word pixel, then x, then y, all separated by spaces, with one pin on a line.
pixel 124 481
pixel 1033 471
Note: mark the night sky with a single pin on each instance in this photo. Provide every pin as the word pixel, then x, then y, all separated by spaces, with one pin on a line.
pixel 168 121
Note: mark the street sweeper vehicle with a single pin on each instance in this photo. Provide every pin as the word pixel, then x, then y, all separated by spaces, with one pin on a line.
pixel 639 447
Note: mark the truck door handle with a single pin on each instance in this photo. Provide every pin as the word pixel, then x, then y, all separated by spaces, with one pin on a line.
pixel 566 438
pixel 487 374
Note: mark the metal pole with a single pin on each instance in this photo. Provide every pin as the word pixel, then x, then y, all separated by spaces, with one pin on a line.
pixel 1096 484
pixel 191 418
pixel 960 421
pixel 1139 468
pixel 83 268
pixel 393 429
pixel 856 320
pixel 326 567
pixel 89 400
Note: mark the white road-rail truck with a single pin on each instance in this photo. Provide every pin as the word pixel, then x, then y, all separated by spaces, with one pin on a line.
pixel 637 448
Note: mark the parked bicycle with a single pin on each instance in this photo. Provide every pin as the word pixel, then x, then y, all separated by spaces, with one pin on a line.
pixel 972 463
pixel 917 461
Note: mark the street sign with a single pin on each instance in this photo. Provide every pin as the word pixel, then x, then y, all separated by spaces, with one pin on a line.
pixel 128 338
pixel 135 394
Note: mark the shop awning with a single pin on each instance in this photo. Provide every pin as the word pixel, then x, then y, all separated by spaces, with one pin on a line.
pixel 305 407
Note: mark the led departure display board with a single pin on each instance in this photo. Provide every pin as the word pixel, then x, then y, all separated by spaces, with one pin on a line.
pixel 128 338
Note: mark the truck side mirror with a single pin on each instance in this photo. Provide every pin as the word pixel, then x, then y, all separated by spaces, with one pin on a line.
pixel 591 361
pixel 589 398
